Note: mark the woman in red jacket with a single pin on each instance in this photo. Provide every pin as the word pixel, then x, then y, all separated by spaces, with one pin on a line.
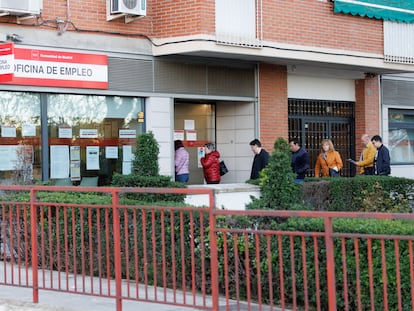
pixel 211 164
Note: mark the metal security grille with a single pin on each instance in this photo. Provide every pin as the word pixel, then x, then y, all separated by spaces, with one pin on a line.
pixel 313 120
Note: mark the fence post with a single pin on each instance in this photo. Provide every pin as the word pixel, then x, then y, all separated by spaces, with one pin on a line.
pixel 213 253
pixel 330 263
pixel 117 250
pixel 33 225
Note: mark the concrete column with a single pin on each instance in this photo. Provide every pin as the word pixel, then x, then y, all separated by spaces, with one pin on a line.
pixel 159 120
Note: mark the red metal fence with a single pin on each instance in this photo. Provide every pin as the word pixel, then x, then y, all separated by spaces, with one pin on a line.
pixel 205 258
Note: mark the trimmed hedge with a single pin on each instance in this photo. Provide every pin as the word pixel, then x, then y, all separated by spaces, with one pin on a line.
pixel 135 180
pixel 361 193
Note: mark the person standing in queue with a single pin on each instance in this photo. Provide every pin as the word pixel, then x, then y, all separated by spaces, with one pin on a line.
pixel 329 162
pixel 366 160
pixel 300 160
pixel 261 158
pixel 382 160
pixel 211 164
pixel 181 162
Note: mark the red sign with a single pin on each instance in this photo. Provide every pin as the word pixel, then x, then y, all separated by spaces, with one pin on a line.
pixel 6 62
pixel 60 69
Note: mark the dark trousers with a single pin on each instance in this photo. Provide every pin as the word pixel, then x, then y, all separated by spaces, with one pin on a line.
pixel 369 171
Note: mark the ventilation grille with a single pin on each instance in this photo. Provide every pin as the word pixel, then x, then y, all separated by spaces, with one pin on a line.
pixel 130 74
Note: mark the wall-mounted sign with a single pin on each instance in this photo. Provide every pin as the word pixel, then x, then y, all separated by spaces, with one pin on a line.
pixel 127 133
pixel 6 62
pixel 191 135
pixel 111 152
pixel 8 131
pixel 61 69
pixel 92 157
pixel 28 130
pixel 88 133
pixel 65 131
pixel 178 134
pixel 59 161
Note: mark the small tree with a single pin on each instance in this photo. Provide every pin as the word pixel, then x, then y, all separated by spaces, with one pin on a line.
pixel 278 189
pixel 145 162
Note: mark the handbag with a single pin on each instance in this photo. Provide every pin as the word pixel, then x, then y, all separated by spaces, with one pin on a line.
pixel 223 168
pixel 333 173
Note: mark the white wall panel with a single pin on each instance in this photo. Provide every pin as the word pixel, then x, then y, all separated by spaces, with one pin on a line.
pixel 320 88
pixel 233 137
pixel 159 113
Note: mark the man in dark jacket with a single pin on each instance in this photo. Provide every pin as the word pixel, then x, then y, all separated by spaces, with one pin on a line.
pixel 300 160
pixel 382 159
pixel 261 158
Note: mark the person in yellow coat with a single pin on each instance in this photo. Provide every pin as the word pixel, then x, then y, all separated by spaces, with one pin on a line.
pixel 366 162
pixel 329 162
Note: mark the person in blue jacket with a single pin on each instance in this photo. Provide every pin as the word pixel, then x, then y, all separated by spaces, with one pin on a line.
pixel 382 161
pixel 300 160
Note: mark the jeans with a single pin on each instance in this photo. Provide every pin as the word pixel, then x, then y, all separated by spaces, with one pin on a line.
pixel 182 178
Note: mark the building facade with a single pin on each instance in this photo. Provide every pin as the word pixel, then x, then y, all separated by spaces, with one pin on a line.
pixel 88 77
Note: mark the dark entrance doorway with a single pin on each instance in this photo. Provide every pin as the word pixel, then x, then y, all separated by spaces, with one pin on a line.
pixel 313 120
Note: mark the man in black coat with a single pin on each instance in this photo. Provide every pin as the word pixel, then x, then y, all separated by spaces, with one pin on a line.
pixel 300 160
pixel 261 158
pixel 382 159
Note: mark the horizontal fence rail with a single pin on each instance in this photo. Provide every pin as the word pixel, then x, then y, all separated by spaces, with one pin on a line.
pixel 202 257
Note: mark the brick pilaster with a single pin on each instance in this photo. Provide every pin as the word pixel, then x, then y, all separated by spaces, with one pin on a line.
pixel 273 104
pixel 367 109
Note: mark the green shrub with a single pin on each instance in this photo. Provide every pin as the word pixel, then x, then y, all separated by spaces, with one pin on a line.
pixel 278 190
pixel 145 161
pixel 135 180
pixel 361 193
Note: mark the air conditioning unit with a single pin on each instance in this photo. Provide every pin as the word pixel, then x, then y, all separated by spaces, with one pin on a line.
pixel 21 7
pixel 132 7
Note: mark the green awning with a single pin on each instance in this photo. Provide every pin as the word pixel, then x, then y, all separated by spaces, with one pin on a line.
pixel 394 10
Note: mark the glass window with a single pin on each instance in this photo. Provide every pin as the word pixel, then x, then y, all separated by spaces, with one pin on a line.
pixel 401 136
pixel 20 141
pixel 91 133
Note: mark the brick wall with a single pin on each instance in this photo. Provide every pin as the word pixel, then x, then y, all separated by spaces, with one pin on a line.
pixel 273 105
pixel 313 23
pixel 310 23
